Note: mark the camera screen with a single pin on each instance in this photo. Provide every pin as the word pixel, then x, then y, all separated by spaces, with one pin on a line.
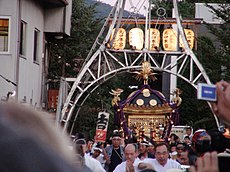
pixel 206 92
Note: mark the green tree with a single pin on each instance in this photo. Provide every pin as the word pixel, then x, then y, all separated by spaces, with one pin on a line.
pixel 186 8
pixel 222 33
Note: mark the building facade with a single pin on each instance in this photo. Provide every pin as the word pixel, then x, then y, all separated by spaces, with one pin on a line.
pixel 25 28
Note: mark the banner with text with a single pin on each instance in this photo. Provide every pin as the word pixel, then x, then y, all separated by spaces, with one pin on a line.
pixel 102 125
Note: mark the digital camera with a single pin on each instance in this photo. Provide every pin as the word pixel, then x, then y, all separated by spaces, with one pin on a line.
pixel 206 92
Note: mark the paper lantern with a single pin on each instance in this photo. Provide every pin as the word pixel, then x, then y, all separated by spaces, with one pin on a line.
pixel 136 38
pixel 169 40
pixel 153 39
pixel 189 34
pixel 120 39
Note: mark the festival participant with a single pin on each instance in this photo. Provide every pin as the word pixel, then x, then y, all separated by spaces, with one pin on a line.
pixel 180 147
pixel 173 139
pixel 143 149
pixel 98 154
pixel 87 161
pixel 184 157
pixel 188 133
pixel 172 151
pixel 201 142
pixel 187 140
pixel 131 157
pixel 151 149
pixel 162 162
pixel 115 153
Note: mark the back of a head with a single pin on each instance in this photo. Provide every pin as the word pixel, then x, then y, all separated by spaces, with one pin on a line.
pixel 79 145
pixel 21 151
pixel 218 141
pixel 201 141
pixel 38 126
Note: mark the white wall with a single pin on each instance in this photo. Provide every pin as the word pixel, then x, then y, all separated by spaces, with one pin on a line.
pixel 8 60
pixel 29 73
pixel 22 69
pixel 206 13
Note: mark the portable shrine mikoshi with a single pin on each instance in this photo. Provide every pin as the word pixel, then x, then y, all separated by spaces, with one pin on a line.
pixel 146 111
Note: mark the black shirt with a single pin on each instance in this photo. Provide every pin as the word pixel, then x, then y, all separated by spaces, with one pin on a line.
pixel 115 159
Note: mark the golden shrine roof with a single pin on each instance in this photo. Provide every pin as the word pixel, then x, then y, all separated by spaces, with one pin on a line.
pixel 147 101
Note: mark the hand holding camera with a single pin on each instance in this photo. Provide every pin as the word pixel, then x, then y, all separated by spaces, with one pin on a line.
pixel 219 95
pixel 222 106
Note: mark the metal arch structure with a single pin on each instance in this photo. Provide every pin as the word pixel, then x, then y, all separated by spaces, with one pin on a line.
pixel 103 63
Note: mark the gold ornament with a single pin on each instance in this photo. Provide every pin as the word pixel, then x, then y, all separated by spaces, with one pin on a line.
pixel 153 102
pixel 140 102
pixel 146 93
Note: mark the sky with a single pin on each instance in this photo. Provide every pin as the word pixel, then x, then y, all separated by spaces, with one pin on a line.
pixel 129 4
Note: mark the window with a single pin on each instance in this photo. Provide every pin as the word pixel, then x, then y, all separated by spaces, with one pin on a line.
pixel 4 34
pixel 36 44
pixel 23 38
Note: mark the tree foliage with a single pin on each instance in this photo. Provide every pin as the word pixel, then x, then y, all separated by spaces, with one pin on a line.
pixel 222 33
pixel 68 53
pixel 186 8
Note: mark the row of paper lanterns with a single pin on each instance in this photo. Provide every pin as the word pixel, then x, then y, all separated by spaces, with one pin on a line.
pixel 136 39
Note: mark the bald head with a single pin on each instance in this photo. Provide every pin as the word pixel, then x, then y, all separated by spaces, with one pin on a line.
pixel 130 152
pixel 130 147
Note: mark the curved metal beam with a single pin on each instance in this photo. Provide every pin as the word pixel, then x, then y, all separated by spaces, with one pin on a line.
pixel 105 78
pixel 190 52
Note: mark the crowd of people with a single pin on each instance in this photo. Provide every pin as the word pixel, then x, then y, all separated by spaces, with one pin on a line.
pixel 201 151
pixel 30 143
pixel 119 156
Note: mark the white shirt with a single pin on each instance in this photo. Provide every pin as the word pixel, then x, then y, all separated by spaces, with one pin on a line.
pixel 93 164
pixel 159 168
pixel 122 166
pixel 101 159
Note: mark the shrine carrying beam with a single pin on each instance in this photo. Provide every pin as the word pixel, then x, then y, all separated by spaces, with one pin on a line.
pixel 161 21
